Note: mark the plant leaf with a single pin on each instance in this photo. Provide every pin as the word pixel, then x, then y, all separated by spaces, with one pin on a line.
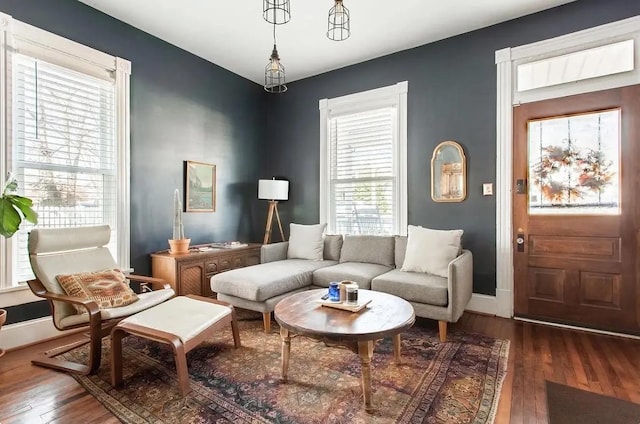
pixel 9 218
pixel 24 204
pixel 11 185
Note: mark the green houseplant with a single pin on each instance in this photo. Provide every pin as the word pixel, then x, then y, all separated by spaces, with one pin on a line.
pixel 14 208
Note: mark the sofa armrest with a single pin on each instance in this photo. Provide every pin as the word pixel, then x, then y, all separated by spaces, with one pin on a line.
pixel 460 283
pixel 274 252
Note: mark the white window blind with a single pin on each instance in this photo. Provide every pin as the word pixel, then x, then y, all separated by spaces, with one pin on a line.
pixel 65 136
pixel 362 172
pixel 363 141
pixel 65 149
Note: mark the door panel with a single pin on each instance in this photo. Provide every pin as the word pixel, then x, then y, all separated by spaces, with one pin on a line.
pixel 575 210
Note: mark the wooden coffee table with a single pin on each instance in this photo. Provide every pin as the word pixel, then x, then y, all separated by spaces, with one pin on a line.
pixel 386 315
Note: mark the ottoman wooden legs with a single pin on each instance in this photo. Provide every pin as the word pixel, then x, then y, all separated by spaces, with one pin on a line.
pixel 178 336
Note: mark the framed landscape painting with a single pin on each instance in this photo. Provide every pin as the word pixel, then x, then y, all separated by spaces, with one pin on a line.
pixel 201 187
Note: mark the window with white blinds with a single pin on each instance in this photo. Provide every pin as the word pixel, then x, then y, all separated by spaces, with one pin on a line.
pixel 363 181
pixel 362 177
pixel 66 108
pixel 65 148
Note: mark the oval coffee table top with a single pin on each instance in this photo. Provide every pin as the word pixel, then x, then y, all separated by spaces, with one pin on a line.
pixel 386 315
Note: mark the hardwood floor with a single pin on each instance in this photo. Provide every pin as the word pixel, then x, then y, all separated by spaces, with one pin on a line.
pixel 601 364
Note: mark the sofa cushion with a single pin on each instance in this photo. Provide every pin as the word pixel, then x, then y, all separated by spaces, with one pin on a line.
pixel 430 251
pixel 332 247
pixel 413 286
pixel 263 281
pixel 368 249
pixel 361 273
pixel 400 250
pixel 306 242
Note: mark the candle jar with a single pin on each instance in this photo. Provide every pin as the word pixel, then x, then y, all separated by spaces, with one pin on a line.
pixel 352 294
pixel 334 292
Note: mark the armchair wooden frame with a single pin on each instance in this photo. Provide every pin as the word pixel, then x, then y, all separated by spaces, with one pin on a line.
pixel 98 328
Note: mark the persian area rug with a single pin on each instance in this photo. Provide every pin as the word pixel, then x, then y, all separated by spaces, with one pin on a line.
pixel 454 382
pixel 568 405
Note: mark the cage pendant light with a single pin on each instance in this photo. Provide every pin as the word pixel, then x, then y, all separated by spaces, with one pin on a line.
pixel 276 12
pixel 339 23
pixel 274 74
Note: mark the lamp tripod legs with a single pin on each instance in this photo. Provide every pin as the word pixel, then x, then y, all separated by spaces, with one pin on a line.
pixel 273 208
pixel 279 223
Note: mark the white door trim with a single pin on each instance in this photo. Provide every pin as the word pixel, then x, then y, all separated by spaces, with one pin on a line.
pixel 506 60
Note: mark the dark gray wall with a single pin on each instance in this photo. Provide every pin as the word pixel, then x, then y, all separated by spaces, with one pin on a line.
pixel 452 96
pixel 182 108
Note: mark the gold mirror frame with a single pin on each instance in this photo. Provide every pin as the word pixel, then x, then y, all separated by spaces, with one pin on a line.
pixel 448 173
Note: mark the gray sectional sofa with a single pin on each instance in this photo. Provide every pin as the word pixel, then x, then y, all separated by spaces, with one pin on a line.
pixel 374 262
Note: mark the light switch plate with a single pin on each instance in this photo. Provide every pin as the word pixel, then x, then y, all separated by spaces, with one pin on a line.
pixel 487 189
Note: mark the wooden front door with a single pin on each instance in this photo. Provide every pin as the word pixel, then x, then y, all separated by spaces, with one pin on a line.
pixel 575 210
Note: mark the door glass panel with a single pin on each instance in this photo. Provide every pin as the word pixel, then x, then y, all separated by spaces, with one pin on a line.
pixel 574 164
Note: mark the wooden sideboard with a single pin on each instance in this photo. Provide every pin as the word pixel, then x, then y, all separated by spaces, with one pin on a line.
pixel 191 273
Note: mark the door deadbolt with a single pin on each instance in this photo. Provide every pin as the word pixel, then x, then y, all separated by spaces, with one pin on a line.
pixel 520 242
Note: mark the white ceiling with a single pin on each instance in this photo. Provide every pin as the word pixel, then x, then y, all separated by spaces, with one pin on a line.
pixel 233 34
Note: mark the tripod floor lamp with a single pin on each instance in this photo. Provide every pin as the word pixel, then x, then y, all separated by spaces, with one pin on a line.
pixel 273 190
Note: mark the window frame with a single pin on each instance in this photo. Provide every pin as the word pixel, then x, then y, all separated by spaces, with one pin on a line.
pixel 393 95
pixel 19 37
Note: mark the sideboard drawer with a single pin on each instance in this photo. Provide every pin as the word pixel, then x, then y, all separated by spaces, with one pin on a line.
pixel 238 261
pixel 224 263
pixel 211 267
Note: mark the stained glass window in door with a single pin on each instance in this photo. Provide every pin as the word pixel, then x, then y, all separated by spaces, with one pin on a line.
pixel 574 164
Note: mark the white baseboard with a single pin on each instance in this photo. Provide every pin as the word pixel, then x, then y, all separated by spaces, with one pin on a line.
pixel 29 332
pixel 483 304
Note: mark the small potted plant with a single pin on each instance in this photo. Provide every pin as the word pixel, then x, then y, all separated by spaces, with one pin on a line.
pixel 179 244
pixel 3 319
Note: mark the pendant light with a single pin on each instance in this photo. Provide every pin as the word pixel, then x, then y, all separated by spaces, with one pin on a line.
pixel 339 25
pixel 274 74
pixel 276 12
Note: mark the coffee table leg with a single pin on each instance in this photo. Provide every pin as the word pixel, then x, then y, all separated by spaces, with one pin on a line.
pixel 365 351
pixel 396 348
pixel 286 348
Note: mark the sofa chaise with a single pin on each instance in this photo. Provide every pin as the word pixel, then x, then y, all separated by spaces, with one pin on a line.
pixel 374 262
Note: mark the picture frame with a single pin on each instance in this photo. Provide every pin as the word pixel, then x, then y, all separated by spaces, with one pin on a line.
pixel 200 187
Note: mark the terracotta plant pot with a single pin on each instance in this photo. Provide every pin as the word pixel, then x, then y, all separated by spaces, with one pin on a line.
pixel 3 319
pixel 179 247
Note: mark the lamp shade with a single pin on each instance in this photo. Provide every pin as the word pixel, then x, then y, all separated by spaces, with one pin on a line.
pixel 273 189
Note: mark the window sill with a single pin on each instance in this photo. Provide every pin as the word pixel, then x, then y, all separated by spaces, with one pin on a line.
pixel 13 296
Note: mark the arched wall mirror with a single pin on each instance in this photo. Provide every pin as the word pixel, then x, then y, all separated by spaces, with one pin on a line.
pixel 448 173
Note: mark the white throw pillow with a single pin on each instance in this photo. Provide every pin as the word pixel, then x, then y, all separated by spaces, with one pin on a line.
pixel 306 241
pixel 430 251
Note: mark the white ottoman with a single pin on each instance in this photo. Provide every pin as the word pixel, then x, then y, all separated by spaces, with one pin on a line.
pixel 182 322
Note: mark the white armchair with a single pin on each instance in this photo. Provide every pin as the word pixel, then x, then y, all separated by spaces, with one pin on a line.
pixel 53 252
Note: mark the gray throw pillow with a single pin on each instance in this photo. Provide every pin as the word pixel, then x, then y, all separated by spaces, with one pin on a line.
pixel 368 249
pixel 332 247
pixel 306 242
